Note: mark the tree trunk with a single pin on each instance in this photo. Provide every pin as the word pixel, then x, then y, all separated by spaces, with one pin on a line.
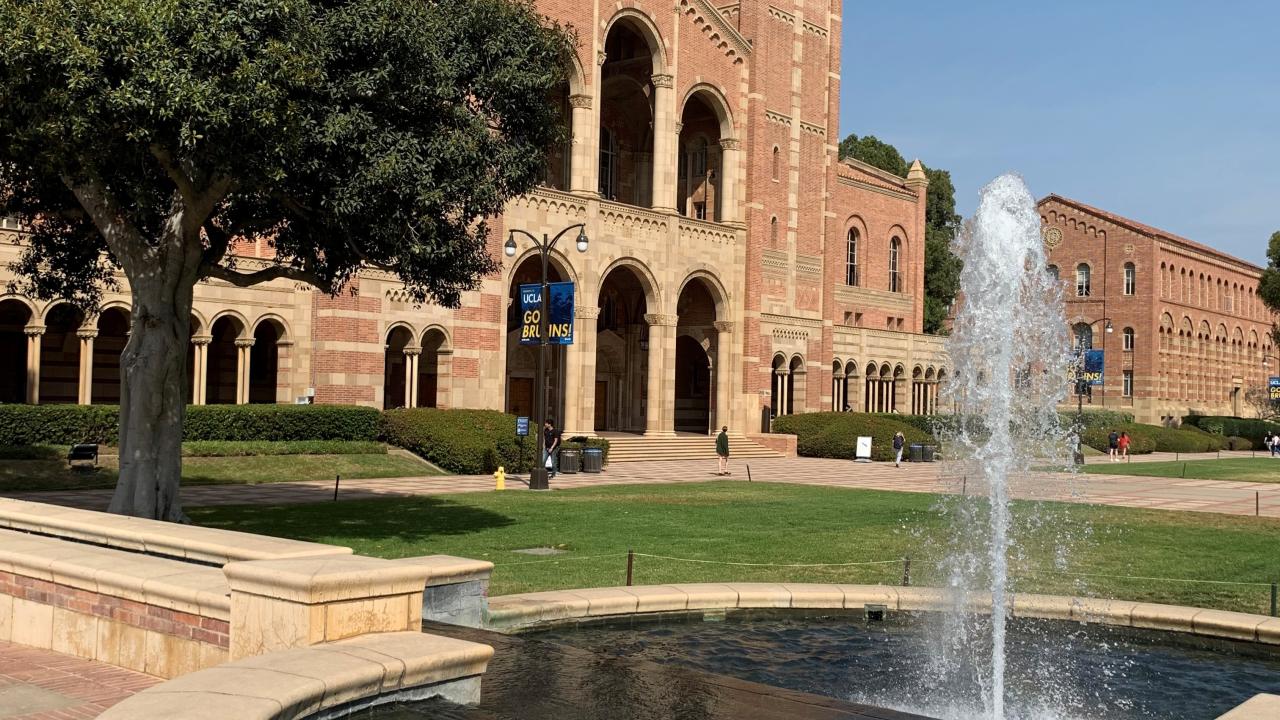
pixel 153 395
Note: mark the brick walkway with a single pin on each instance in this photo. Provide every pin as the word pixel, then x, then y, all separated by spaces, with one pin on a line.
pixel 1221 496
pixel 45 685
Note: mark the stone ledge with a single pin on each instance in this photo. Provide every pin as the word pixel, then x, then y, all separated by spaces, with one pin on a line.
pixel 313 580
pixel 448 569
pixel 1262 706
pixel 197 544
pixel 301 682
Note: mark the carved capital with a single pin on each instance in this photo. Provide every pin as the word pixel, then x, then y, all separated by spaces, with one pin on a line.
pixel 724 326
pixel 656 320
pixel 587 312
pixel 662 80
pixel 201 339
pixel 730 144
pixel 601 57
pixel 580 101
pixel 244 342
pixel 679 127
pixel 33 330
pixel 87 333
pixel 412 351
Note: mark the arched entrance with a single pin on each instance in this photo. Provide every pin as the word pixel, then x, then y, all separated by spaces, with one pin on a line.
pixel 60 356
pixel 626 116
pixel 699 167
pixel 696 336
pixel 264 362
pixel 113 333
pixel 394 362
pixel 796 392
pixel 222 374
pixel 14 318
pixel 779 386
pixel 430 368
pixel 622 353
pixel 522 360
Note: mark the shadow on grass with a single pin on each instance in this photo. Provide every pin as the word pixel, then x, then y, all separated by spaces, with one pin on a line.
pixel 409 519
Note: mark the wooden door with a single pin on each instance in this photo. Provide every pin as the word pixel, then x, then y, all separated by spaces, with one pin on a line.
pixel 520 397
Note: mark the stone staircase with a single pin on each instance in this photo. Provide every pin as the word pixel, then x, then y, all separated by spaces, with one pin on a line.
pixel 636 448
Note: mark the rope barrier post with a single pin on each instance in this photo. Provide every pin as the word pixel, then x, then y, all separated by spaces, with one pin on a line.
pixel 906 571
pixel 1184 470
pixel 336 479
pixel 1257 503
pixel 748 472
pixel 631 559
pixel 1273 600
pixel 964 486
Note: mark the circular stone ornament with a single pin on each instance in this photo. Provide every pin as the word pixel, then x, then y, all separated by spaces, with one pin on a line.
pixel 1052 237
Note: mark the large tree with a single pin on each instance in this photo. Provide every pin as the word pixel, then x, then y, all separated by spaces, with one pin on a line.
pixel 941 266
pixel 1269 285
pixel 147 136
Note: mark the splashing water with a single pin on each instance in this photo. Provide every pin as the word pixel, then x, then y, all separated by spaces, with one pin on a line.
pixel 1009 349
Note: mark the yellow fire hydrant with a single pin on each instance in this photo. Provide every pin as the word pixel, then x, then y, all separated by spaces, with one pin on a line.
pixel 501 478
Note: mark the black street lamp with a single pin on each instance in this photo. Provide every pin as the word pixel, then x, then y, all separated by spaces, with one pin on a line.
pixel 1082 386
pixel 538 474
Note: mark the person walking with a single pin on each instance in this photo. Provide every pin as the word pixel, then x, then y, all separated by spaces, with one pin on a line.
pixel 551 440
pixel 899 442
pixel 722 450
pixel 1113 445
pixel 1123 444
pixel 1272 442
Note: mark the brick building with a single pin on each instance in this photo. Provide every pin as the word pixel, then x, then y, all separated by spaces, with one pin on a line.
pixel 734 263
pixel 1189 333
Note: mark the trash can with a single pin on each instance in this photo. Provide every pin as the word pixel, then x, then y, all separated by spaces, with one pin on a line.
pixel 570 461
pixel 917 453
pixel 929 450
pixel 592 460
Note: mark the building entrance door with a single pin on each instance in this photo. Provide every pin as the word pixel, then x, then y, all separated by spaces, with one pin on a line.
pixel 520 397
pixel 602 403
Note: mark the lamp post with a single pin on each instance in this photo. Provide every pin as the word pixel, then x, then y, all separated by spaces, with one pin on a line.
pixel 1082 386
pixel 538 474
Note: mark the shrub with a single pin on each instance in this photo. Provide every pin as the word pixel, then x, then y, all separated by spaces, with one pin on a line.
pixel 1097 418
pixel 1154 438
pixel 58 424
pixel 470 442
pixel 238 448
pixel 1251 429
pixel 281 422
pixel 1235 442
pixel 835 434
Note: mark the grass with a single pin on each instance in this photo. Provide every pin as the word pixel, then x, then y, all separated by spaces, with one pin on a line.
pixel 223 463
pixel 1259 469
pixel 784 524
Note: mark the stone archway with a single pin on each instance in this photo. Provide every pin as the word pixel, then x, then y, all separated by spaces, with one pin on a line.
pixel 622 392
pixel 60 356
pixel 433 368
pixel 627 96
pixel 222 374
pixel 394 361
pixel 695 383
pixel 113 333
pixel 521 360
pixel 15 316
pixel 264 362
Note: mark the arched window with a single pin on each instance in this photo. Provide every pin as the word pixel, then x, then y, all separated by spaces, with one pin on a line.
pixel 1082 280
pixel 1130 279
pixel 895 277
pixel 1128 339
pixel 773 231
pixel 608 165
pixel 777 161
pixel 1053 272
pixel 1084 336
pixel 851 259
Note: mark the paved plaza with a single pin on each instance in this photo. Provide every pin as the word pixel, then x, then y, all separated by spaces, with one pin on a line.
pixel 45 685
pixel 1220 496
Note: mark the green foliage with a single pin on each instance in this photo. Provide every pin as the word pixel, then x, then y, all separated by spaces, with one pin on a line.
pixel 1154 438
pixel 255 448
pixel 1250 428
pixel 875 152
pixel 70 424
pixel 1097 418
pixel 467 442
pixel 1234 442
pixel 835 434
pixel 1269 284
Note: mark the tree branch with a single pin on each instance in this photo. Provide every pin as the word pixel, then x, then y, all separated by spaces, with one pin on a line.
pixel 275 272
pixel 179 178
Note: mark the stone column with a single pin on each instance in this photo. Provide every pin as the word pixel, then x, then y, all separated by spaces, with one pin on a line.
pixel 411 355
pixel 730 170
pixel 659 407
pixel 86 364
pixel 243 347
pixel 580 384
pixel 724 375
pixel 34 334
pixel 585 155
pixel 664 143
pixel 199 365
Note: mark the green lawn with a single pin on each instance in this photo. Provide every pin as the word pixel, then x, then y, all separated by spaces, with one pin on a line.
pixel 228 466
pixel 1259 469
pixel 783 524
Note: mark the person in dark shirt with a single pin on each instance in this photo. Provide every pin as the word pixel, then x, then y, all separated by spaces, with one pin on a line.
pixel 722 450
pixel 899 442
pixel 1113 446
pixel 551 438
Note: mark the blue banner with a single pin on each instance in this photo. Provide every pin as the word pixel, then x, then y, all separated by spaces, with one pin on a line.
pixel 559 316
pixel 1093 367
pixel 1273 387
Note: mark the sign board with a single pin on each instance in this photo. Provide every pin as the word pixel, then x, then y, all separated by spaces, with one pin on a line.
pixel 522 426
pixel 1273 387
pixel 862 451
pixel 560 313
pixel 1093 367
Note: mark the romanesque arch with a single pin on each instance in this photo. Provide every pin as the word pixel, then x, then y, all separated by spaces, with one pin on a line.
pixel 267 355
pixel 396 385
pixel 624 336
pixel 223 363
pixel 705 120
pixel 16 315
pixel 633 61
pixel 434 368
pixel 60 355
pixel 697 375
pixel 112 335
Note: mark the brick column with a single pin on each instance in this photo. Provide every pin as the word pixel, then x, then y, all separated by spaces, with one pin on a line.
pixel 664 143
pixel 659 409
pixel 200 363
pixel 34 334
pixel 243 347
pixel 724 374
pixel 86 364
pixel 585 158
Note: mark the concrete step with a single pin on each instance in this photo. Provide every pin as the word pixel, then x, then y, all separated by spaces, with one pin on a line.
pixel 693 447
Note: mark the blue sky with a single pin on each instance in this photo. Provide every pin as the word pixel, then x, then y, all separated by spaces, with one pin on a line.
pixel 1167 112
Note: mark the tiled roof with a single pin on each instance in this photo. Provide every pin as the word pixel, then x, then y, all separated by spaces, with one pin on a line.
pixel 1152 232
pixel 858 170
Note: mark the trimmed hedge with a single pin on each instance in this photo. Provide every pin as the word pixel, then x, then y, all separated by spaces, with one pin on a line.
pixel 70 424
pixel 835 434
pixel 1155 438
pixel 468 442
pixel 1251 429
pixel 256 448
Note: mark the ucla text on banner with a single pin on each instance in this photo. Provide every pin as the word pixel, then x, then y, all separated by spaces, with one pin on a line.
pixel 1273 387
pixel 559 313
pixel 1093 367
